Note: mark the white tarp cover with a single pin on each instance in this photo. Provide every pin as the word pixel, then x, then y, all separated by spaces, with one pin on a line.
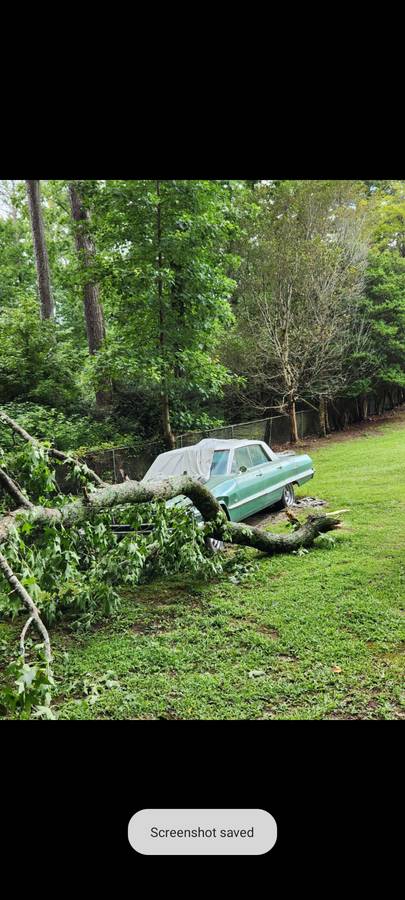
pixel 195 461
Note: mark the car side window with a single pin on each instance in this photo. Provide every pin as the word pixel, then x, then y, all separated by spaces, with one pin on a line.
pixel 241 457
pixel 257 455
pixel 219 462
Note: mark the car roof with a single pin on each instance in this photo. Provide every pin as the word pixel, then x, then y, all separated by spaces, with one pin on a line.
pixel 219 444
pixel 196 459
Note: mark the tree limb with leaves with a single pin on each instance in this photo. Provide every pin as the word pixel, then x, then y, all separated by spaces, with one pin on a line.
pixel 103 496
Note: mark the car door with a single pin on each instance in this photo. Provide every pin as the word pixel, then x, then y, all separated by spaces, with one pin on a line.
pixel 251 486
pixel 270 474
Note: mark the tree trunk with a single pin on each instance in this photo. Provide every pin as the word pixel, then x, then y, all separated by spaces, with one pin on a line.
pixel 79 510
pixel 164 393
pixel 41 254
pixel 93 310
pixel 167 429
pixel 267 432
pixel 322 416
pixel 293 423
pixel 327 423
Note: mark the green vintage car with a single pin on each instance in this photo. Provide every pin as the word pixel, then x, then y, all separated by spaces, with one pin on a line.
pixel 244 476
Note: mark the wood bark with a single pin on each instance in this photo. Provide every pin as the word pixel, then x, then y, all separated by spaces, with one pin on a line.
pixel 41 254
pixel 327 422
pixel 93 311
pixel 267 432
pixel 293 422
pixel 164 394
pixel 322 415
pixel 11 488
pixel 23 594
pixel 115 495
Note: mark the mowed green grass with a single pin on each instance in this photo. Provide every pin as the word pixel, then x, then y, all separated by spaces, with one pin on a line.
pixel 318 636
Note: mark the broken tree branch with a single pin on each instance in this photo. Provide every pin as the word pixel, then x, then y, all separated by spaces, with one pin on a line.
pixel 24 634
pixel 29 603
pixel 109 496
pixel 56 454
pixel 13 490
pixel 131 492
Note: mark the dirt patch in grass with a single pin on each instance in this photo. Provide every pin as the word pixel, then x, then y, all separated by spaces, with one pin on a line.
pixel 170 716
pixel 152 627
pixel 342 717
pixel 269 632
pixel 278 516
pixel 170 598
pixel 394 656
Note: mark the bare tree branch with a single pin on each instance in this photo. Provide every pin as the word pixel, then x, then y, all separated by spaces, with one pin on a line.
pixel 29 603
pixel 13 490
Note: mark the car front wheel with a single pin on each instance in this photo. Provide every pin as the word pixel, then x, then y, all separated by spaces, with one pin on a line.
pixel 288 496
pixel 213 545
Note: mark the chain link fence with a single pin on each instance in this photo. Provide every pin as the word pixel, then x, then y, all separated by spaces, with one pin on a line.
pixel 115 464
pixel 275 429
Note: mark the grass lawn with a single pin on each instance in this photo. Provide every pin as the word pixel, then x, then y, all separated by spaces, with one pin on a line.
pixel 316 636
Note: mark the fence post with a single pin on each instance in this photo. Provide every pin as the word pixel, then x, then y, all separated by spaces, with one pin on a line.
pixel 114 468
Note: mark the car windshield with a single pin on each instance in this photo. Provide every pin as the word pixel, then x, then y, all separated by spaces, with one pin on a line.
pixel 219 462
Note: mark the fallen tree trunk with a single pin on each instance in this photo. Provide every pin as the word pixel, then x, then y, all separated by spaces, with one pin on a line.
pixel 130 492
pixel 110 496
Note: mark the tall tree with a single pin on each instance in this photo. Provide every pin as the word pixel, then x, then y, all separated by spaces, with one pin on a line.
pixel 85 247
pixel 164 393
pixel 41 255
pixel 300 310
pixel 163 246
pixel 93 310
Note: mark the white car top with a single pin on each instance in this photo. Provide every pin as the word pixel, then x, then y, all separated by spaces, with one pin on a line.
pixel 195 460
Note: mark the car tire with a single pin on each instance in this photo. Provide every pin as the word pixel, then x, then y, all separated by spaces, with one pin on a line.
pixel 288 496
pixel 214 546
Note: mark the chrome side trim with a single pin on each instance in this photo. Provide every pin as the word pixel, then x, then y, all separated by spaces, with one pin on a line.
pixel 272 489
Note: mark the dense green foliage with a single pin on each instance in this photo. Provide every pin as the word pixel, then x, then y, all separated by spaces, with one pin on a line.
pixel 195 280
